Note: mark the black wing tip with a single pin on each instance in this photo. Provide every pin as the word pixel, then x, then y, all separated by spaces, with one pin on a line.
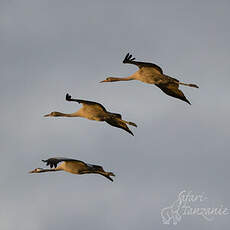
pixel 67 97
pixel 128 58
pixel 186 100
pixel 50 163
pixel 111 179
pixel 129 131
pixel 46 161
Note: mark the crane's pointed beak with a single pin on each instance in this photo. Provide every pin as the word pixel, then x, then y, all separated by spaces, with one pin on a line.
pixel 103 81
pixel 47 115
pixel 32 171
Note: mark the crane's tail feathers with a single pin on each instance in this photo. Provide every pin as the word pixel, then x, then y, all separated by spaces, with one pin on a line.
pixel 130 123
pixel 190 85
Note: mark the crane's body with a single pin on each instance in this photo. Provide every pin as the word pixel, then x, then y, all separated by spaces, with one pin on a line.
pixel 95 111
pixel 72 166
pixel 153 74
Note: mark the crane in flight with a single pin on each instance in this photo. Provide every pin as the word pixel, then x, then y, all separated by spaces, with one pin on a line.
pixel 72 166
pixel 95 111
pixel 153 74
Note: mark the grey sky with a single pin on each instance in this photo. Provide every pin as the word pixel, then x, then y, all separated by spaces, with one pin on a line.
pixel 49 48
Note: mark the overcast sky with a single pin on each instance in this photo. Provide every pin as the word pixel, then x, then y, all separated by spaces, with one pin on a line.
pixel 51 47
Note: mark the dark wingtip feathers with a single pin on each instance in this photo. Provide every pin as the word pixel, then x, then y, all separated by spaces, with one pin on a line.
pixel 186 100
pixel 110 178
pixel 67 97
pixel 129 131
pixel 128 58
pixel 49 163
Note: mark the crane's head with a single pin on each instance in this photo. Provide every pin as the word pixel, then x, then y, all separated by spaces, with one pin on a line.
pixel 109 79
pixel 37 170
pixel 53 114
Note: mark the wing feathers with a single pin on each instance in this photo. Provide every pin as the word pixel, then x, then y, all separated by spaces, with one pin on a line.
pixel 84 102
pixel 116 122
pixel 130 60
pixel 173 91
pixel 53 162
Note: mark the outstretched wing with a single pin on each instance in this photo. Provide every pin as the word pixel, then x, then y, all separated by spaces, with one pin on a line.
pixel 98 167
pixel 130 60
pixel 172 90
pixel 86 103
pixel 116 122
pixel 53 162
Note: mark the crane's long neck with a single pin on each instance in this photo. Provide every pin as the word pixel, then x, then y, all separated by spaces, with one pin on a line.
pixel 50 170
pixel 132 77
pixel 59 114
